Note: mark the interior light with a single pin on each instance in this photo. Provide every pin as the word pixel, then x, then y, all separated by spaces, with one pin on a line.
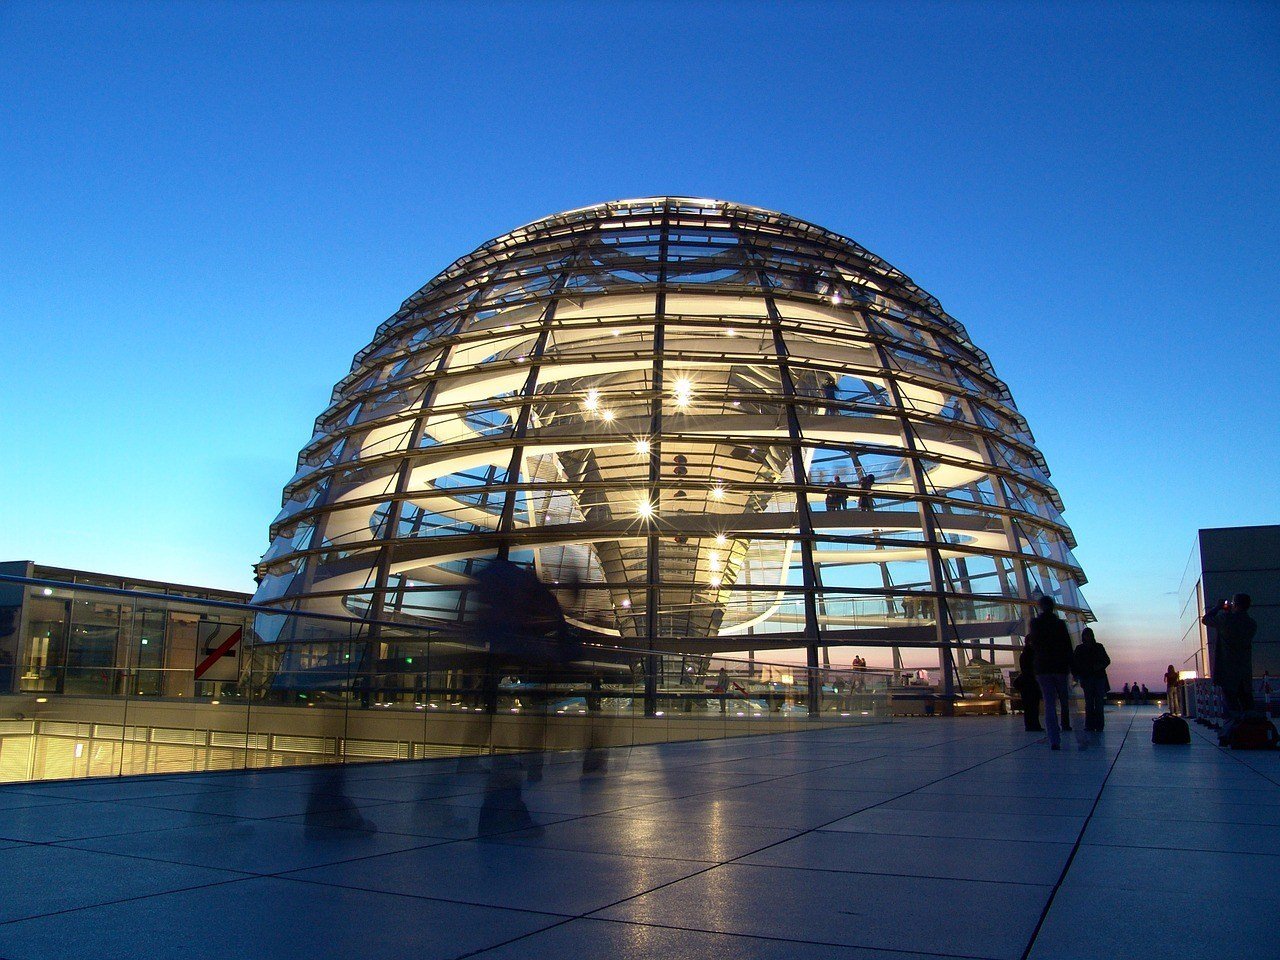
pixel 607 416
pixel 592 399
pixel 721 539
pixel 717 493
pixel 731 332
pixel 835 298
pixel 617 332
pixel 642 447
pixel 47 592
pixel 214 702
pixel 644 508
pixel 626 603
pixel 42 699
pixel 715 582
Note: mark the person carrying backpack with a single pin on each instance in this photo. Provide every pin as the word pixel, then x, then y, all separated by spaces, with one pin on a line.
pixel 1089 663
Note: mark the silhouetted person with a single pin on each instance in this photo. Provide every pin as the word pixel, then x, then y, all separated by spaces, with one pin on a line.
pixel 1030 690
pixel 865 501
pixel 838 494
pixel 1170 684
pixel 829 389
pixel 1146 694
pixel 1051 656
pixel 1124 694
pixel 722 688
pixel 1089 663
pixel 1233 651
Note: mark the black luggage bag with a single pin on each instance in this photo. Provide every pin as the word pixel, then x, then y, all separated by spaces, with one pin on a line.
pixel 1167 728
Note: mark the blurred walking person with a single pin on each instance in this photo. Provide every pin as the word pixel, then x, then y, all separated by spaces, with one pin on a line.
pixel 1030 690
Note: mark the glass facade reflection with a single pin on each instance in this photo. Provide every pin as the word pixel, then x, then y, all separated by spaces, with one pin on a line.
pixel 710 426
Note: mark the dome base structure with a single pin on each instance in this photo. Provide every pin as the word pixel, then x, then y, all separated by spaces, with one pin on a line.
pixel 706 426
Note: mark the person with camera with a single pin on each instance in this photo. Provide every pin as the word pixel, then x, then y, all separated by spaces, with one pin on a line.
pixel 1233 651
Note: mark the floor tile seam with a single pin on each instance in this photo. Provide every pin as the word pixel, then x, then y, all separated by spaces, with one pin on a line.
pixel 1187 849
pixel 110 903
pixel 768 846
pixel 1071 856
pixel 940 836
pixel 237 816
pixel 255 873
pixel 600 853
pixel 334 885
pixel 1003 813
pixel 886 873
pixel 762 937
pixel 1189 818
pixel 128 833
pixel 1231 754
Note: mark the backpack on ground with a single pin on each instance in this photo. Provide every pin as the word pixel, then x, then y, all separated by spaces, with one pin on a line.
pixel 1167 728
pixel 1252 731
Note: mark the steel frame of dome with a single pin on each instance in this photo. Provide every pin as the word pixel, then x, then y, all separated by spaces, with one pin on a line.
pixel 650 400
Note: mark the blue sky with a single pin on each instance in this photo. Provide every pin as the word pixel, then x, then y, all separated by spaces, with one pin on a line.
pixel 208 209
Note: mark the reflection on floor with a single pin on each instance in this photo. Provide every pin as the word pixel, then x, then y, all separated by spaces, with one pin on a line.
pixel 953 837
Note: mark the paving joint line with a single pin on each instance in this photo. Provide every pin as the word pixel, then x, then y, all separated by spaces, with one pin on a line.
pixel 590 914
pixel 1048 905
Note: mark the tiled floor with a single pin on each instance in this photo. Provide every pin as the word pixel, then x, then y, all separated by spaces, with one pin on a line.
pixel 921 838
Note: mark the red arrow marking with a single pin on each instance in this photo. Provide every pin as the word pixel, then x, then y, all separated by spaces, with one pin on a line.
pixel 218 654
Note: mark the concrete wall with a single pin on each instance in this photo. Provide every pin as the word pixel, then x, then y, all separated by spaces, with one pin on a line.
pixel 1247 560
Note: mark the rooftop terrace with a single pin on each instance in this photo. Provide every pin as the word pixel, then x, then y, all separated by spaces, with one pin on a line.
pixel 921 838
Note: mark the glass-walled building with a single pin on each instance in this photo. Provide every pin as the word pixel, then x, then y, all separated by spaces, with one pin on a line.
pixel 62 641
pixel 709 427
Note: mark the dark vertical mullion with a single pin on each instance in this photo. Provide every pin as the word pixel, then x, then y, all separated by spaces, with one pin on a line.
pixel 506 520
pixel 804 517
pixel 652 543
pixel 392 521
pixel 928 522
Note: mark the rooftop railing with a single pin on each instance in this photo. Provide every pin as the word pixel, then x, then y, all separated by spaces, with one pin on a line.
pixel 100 681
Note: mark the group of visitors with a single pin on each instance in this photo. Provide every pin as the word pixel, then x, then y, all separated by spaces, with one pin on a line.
pixel 1048 661
pixel 859 674
pixel 1135 693
pixel 838 492
pixel 1045 667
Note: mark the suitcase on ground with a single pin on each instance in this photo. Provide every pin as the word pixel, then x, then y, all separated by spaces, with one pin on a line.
pixel 1168 729
pixel 1252 731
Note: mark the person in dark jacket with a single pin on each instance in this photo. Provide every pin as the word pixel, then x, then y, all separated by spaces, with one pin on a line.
pixel 1232 658
pixel 1089 663
pixel 1030 690
pixel 1051 656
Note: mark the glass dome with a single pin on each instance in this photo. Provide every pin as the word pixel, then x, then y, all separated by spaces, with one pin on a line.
pixel 708 426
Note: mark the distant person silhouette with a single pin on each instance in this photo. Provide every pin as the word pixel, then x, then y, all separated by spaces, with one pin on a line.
pixel 865 500
pixel 1170 684
pixel 1232 651
pixel 1051 656
pixel 1089 663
